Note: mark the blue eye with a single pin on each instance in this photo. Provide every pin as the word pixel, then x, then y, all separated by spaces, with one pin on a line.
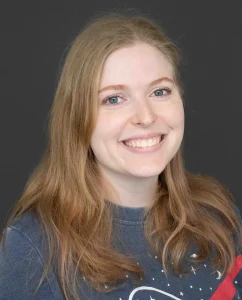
pixel 161 93
pixel 111 99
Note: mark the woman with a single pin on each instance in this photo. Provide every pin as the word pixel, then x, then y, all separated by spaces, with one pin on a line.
pixel 111 212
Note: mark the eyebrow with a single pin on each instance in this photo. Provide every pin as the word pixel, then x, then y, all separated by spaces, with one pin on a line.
pixel 122 86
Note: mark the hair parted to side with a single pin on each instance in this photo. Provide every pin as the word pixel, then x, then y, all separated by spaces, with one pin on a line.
pixel 65 189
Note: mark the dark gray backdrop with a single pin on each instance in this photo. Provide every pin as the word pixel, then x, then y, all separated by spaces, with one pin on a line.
pixel 34 36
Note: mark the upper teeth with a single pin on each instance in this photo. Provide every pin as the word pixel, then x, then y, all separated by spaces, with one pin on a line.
pixel 143 142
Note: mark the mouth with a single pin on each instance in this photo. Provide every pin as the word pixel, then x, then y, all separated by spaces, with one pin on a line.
pixel 160 139
pixel 145 148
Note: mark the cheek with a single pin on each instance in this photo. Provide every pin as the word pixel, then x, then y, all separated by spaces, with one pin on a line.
pixel 174 115
pixel 108 127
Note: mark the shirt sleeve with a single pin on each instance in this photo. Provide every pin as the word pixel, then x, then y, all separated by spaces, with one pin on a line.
pixel 21 268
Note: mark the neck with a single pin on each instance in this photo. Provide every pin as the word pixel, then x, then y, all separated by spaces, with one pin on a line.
pixel 130 191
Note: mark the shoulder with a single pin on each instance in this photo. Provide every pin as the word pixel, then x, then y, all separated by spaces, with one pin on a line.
pixel 22 261
pixel 237 211
pixel 22 235
pixel 237 235
pixel 26 228
pixel 26 219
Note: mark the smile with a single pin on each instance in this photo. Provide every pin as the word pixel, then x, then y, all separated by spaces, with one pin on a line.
pixel 144 146
pixel 144 143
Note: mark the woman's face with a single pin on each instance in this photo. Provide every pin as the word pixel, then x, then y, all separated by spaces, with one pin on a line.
pixel 133 106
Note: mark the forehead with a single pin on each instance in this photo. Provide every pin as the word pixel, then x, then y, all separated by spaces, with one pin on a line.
pixel 137 63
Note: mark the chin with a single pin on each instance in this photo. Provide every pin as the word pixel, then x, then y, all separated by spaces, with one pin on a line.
pixel 147 172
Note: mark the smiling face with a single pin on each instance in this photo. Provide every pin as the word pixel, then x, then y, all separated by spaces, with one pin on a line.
pixel 137 107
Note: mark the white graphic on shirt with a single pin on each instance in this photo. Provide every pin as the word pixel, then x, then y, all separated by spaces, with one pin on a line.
pixel 219 275
pixel 193 255
pixel 147 288
pixel 170 296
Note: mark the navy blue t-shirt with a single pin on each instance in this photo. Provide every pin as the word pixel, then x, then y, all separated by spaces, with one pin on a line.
pixel 22 263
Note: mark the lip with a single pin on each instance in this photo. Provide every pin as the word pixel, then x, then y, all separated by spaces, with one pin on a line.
pixel 144 150
pixel 144 136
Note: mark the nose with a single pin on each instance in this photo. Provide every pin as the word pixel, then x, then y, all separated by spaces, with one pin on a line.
pixel 143 114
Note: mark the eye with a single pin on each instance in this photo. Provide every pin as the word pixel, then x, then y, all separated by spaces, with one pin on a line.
pixel 162 92
pixel 112 99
